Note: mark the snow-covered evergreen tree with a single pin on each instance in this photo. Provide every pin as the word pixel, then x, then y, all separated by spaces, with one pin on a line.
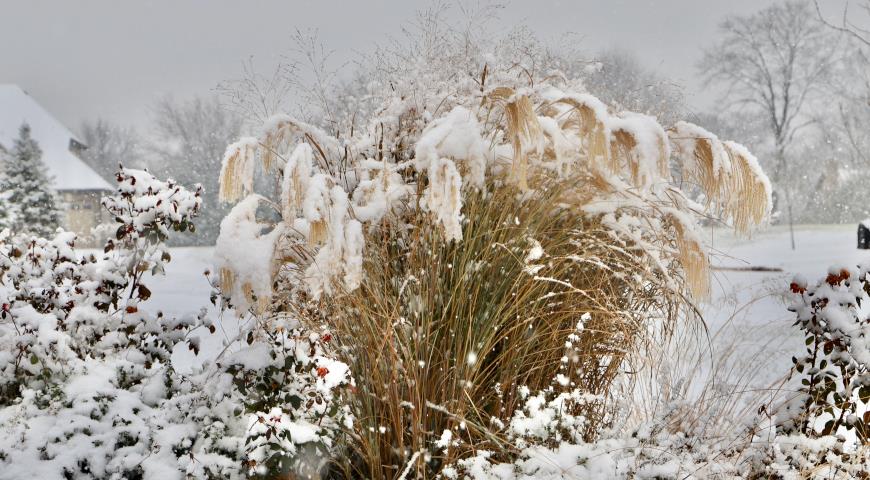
pixel 33 208
pixel 5 214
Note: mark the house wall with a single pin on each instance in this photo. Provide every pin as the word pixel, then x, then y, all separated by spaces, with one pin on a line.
pixel 83 212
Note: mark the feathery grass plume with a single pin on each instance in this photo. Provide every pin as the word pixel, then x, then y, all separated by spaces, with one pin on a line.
pixel 279 132
pixel 317 232
pixel 729 175
pixel 641 145
pixel 275 138
pixel 455 136
pixel 521 127
pixel 383 195
pixel 444 197
pixel 751 198
pixel 316 208
pixel 586 117
pixel 227 279
pixel 246 253
pixel 622 144
pixel 297 172
pixel 559 148
pixel 703 159
pixel 237 170
pixel 692 255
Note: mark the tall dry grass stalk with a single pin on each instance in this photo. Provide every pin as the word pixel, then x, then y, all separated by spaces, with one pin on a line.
pixel 586 118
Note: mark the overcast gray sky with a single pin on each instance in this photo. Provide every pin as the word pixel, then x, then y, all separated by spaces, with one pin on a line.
pixel 108 58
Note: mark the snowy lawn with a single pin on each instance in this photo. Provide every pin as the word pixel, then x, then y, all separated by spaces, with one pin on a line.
pixel 184 290
pixel 748 310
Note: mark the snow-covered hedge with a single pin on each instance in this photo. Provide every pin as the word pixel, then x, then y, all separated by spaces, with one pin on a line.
pixel 87 386
pixel 84 368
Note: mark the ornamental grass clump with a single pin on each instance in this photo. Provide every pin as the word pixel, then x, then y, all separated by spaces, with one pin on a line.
pixel 466 248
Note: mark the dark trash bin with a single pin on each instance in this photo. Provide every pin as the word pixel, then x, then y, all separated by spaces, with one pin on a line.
pixel 864 235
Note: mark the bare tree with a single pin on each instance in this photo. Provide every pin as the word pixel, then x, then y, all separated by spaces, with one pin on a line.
pixel 774 63
pixel 852 84
pixel 188 140
pixel 255 96
pixel 849 108
pixel 847 26
pixel 109 145
pixel 303 84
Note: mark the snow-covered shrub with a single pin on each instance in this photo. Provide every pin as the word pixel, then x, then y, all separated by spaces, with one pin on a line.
pixel 83 367
pixel 288 386
pixel 828 419
pixel 87 385
pixel 261 408
pixel 835 369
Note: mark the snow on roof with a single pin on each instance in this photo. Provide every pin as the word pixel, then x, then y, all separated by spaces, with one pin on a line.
pixel 68 171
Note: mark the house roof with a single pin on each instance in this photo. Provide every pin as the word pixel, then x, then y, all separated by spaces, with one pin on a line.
pixel 68 171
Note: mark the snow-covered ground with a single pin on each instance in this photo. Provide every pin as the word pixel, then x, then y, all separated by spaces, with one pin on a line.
pixel 748 312
pixel 185 290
